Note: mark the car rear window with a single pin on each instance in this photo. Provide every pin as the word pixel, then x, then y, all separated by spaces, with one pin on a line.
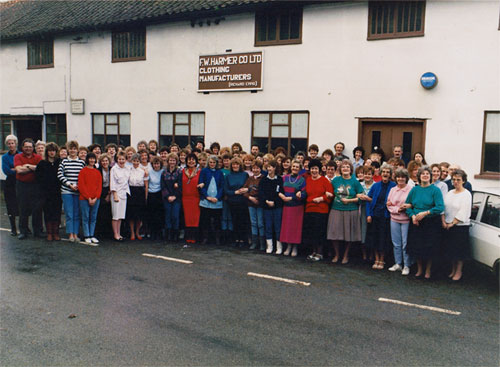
pixel 491 213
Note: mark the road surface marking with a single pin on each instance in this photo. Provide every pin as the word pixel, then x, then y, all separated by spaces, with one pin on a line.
pixel 437 309
pixel 5 229
pixel 292 281
pixel 168 258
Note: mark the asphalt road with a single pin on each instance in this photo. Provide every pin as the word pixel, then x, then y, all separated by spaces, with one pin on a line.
pixel 134 310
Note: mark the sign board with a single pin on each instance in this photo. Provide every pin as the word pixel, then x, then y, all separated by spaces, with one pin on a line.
pixel 230 72
pixel 428 80
pixel 77 106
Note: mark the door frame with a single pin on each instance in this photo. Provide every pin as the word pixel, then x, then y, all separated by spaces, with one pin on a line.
pixel 362 120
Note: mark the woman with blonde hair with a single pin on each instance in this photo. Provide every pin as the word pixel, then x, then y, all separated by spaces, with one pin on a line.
pixel 10 182
pixel 119 187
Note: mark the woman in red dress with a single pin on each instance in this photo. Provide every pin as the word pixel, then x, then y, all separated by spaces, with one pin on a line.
pixel 191 198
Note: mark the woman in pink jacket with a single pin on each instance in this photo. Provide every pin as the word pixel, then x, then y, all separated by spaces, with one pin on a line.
pixel 400 222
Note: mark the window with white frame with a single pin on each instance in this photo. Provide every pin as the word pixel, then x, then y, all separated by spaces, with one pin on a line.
pixel 111 128
pixel 182 128
pixel 289 130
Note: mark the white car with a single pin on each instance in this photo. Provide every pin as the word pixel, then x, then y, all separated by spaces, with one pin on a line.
pixel 485 229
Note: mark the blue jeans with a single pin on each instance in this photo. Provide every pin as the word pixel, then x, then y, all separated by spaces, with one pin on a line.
pixel 272 220
pixel 227 222
pixel 71 205
pixel 89 217
pixel 172 213
pixel 256 220
pixel 399 235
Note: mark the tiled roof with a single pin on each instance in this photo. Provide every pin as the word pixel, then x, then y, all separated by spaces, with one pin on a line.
pixel 21 19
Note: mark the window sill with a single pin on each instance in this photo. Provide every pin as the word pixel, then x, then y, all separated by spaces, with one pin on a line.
pixel 129 59
pixel 488 176
pixel 32 67
pixel 393 36
pixel 278 43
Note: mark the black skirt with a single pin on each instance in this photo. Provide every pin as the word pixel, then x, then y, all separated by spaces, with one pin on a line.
pixel 314 228
pixel 457 244
pixel 103 224
pixel 424 239
pixel 136 203
pixel 378 236
pixel 155 211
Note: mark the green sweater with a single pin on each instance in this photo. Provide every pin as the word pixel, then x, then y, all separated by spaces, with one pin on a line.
pixel 425 198
pixel 347 189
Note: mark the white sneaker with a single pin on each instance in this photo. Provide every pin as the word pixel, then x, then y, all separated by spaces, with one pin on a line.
pixel 269 249
pixel 395 267
pixel 94 240
pixel 88 240
pixel 406 271
pixel 279 248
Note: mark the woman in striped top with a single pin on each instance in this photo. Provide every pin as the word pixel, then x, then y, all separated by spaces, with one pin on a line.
pixel 68 172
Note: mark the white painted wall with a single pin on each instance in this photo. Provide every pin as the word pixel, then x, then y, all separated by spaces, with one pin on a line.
pixel 335 73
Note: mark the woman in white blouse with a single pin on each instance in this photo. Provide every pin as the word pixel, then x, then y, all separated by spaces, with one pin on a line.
pixel 118 184
pixel 456 220
pixel 136 200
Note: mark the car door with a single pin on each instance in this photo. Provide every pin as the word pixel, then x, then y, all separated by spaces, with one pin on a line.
pixel 485 230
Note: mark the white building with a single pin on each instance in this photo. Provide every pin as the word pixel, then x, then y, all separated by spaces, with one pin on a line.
pixel 331 71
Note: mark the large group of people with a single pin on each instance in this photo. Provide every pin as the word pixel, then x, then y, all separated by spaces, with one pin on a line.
pixel 321 205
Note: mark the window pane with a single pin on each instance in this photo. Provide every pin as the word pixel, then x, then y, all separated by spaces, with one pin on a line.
pixel 279 142
pixel 111 119
pixel 124 124
pixel 262 143
pixel 407 145
pixel 98 124
pixel 99 139
pixel 491 213
pixel 261 27
pixel 285 26
pixel 299 125
pixel 261 125
pixel 279 132
pixel 124 140
pixel 271 27
pixel 181 118
pixel 166 124
pixel 298 144
pixel 61 139
pixel 165 141
pixel 111 129
pixel 181 130
pixel 492 134
pixel 182 140
pixel 50 119
pixel 491 157
pixel 280 118
pixel 61 123
pixel 295 24
pixel 51 129
pixel 375 139
pixel 51 137
pixel 198 124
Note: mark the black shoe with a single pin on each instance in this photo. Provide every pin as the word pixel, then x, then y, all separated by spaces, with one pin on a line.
pixel 13 233
pixel 22 236
pixel 40 235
